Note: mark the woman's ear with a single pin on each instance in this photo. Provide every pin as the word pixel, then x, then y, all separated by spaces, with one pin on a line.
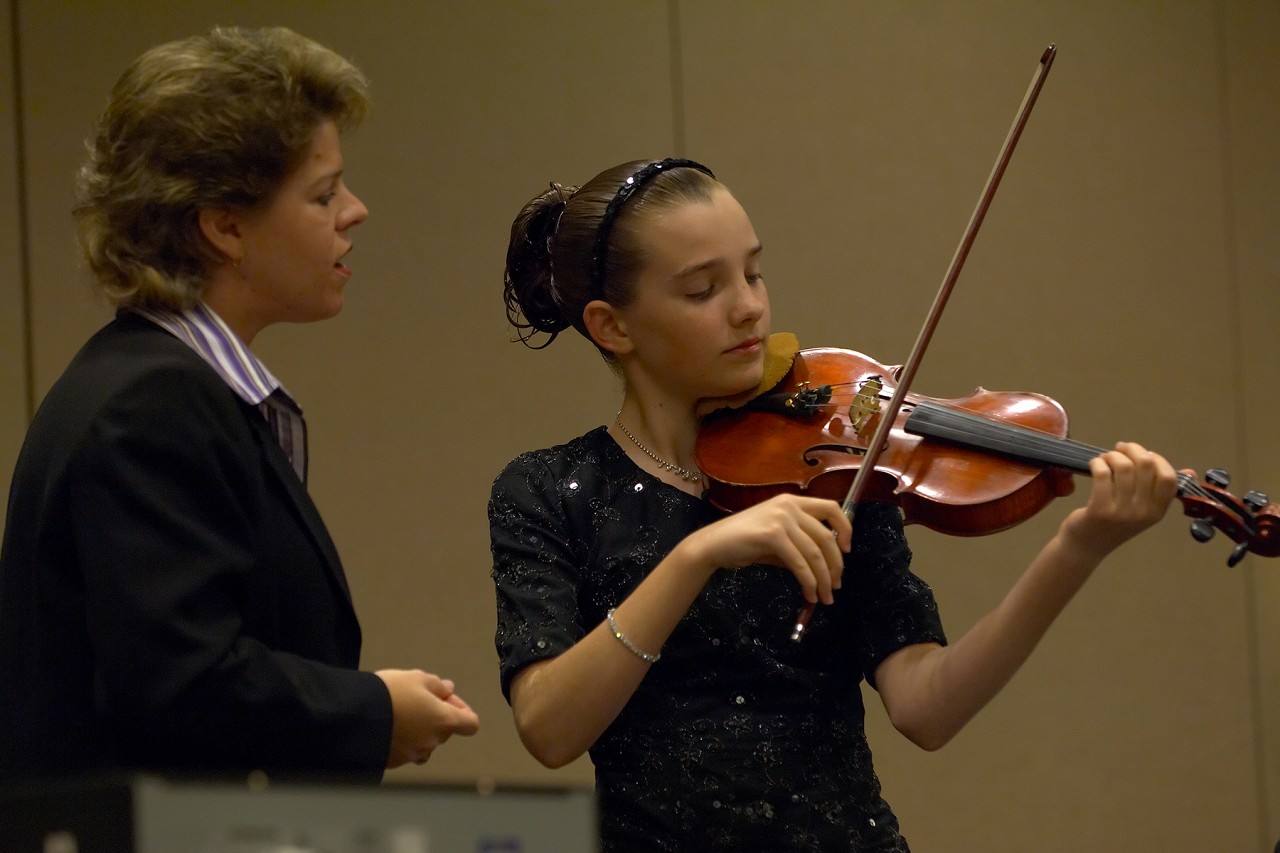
pixel 222 229
pixel 606 327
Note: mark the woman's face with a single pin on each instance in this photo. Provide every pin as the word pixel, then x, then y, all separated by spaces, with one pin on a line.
pixel 293 248
pixel 697 324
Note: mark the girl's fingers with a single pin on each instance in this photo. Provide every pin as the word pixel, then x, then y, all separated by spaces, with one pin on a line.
pixel 791 557
pixel 807 536
pixel 830 558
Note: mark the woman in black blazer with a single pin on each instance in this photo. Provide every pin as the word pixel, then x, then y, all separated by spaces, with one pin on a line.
pixel 169 597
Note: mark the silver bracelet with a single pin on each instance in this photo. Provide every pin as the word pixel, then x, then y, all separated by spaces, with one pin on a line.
pixel 631 647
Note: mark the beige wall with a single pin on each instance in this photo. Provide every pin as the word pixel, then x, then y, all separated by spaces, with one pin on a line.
pixel 1127 268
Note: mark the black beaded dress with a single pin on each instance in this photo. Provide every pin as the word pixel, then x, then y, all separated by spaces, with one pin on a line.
pixel 737 739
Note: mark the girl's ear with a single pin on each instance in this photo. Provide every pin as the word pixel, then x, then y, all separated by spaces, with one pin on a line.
pixel 607 327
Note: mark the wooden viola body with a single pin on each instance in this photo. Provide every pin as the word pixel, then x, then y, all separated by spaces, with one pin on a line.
pixel 964 466
pixel 753 453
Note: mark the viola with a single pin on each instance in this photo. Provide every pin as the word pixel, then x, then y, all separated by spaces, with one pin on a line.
pixel 965 466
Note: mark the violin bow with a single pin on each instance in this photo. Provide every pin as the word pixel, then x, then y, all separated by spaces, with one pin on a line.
pixel 912 364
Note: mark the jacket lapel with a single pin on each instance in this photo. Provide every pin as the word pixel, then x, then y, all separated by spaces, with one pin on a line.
pixel 302 503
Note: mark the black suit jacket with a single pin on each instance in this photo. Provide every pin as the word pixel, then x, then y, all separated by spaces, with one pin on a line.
pixel 169 597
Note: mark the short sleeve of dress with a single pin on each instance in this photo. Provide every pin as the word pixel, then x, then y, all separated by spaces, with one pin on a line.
pixel 535 568
pixel 899 608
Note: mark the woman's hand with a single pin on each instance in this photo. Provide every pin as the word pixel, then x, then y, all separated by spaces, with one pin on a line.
pixel 802 534
pixel 426 712
pixel 1132 490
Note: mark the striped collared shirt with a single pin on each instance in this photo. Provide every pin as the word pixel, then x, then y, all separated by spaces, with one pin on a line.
pixel 205 332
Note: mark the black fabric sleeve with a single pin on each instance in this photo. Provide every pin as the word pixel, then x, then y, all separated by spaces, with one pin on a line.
pixel 536 568
pixel 894 607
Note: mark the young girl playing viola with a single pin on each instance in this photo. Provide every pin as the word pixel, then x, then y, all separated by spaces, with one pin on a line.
pixel 640 624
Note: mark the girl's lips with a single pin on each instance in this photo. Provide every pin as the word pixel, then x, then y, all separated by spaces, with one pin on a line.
pixel 746 346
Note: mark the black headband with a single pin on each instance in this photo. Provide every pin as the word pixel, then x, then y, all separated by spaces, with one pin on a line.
pixel 600 252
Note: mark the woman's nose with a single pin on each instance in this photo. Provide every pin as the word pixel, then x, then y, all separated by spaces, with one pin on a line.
pixel 354 213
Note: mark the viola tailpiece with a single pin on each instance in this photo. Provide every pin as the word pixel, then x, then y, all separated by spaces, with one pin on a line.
pixel 801 403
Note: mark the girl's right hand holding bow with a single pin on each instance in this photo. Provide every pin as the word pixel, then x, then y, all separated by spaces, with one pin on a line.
pixel 808 536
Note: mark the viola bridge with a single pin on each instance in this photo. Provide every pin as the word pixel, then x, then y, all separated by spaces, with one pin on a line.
pixel 866 402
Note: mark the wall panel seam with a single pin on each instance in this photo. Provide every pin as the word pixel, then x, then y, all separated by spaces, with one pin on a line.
pixel 1236 383
pixel 676 48
pixel 23 209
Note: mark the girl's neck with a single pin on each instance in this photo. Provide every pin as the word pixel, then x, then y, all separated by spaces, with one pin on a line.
pixel 660 438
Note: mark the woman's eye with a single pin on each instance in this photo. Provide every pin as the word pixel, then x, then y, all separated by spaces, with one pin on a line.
pixel 326 198
pixel 705 293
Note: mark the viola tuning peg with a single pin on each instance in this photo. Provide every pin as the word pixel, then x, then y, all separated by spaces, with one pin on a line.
pixel 1237 554
pixel 1217 477
pixel 1201 530
pixel 1255 500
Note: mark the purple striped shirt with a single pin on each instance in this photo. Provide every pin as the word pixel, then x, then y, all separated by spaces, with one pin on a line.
pixel 205 332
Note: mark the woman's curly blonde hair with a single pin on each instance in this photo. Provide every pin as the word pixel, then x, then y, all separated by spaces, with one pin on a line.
pixel 214 121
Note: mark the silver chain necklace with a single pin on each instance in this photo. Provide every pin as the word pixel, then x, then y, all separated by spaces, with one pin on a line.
pixel 691 476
